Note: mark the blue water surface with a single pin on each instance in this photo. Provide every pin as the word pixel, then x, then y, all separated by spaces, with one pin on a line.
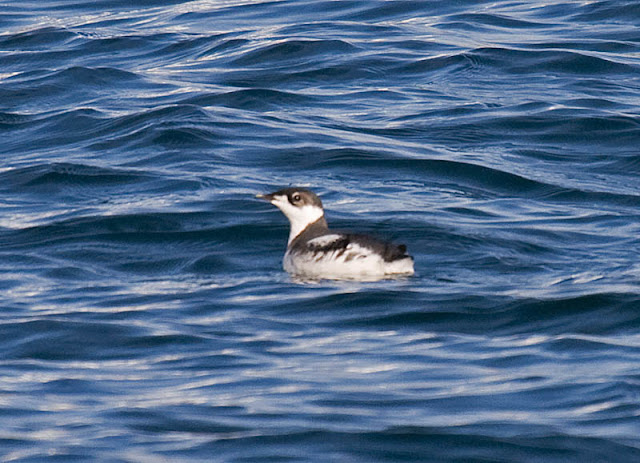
pixel 145 315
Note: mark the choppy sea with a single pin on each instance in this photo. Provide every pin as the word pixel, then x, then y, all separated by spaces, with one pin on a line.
pixel 144 312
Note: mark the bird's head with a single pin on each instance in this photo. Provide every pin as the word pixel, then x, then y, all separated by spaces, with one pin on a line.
pixel 301 206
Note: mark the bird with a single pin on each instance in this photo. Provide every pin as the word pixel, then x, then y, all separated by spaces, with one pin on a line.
pixel 316 252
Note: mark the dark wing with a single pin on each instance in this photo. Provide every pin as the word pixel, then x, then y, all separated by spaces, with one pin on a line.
pixel 353 243
pixel 328 243
pixel 388 251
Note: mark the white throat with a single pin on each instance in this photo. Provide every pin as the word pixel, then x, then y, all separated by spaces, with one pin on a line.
pixel 304 217
pixel 299 217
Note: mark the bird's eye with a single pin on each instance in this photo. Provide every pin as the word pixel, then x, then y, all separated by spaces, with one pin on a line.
pixel 296 198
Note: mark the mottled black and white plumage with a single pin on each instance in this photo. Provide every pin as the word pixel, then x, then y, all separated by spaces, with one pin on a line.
pixel 314 251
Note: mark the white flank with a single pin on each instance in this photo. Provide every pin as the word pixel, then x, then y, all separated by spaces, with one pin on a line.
pixel 400 266
pixel 356 262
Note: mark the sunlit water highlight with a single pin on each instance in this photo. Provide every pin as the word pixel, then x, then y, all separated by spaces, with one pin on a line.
pixel 145 314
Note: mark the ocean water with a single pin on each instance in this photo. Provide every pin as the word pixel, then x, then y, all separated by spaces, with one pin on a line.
pixel 145 315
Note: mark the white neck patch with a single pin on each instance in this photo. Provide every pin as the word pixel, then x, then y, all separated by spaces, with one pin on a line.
pixel 299 217
pixel 305 217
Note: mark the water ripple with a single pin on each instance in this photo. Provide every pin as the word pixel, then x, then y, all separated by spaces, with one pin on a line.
pixel 145 314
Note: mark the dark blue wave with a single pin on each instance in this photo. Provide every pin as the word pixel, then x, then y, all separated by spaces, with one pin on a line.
pixel 145 313
pixel 418 444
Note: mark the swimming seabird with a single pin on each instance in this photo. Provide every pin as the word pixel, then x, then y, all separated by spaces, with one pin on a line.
pixel 315 251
